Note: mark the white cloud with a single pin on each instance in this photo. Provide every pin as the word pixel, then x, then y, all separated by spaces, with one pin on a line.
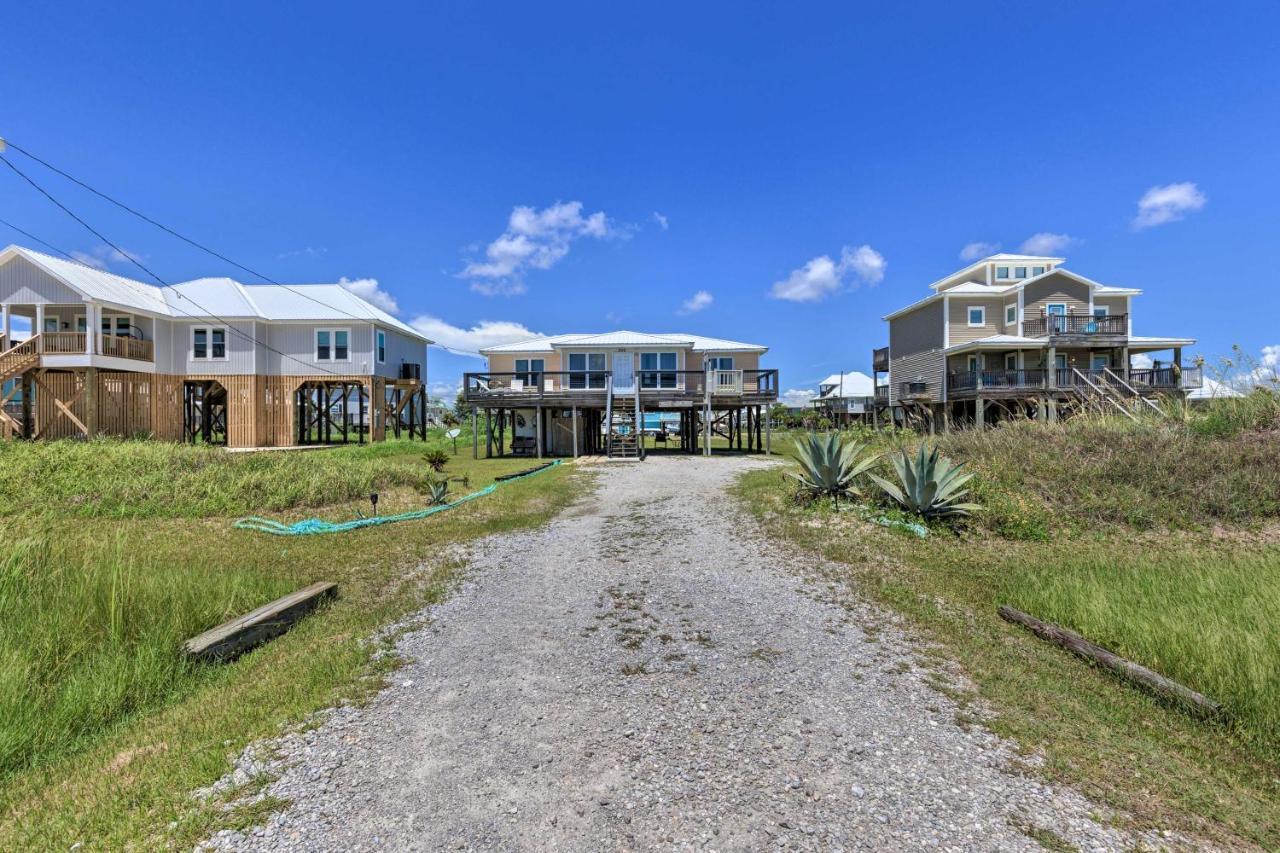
pixel 368 290
pixel 1046 243
pixel 1168 203
pixel 100 257
pixel 978 249
pixel 308 252
pixel 821 276
pixel 661 220
pixel 1271 356
pixel 534 239
pixel 445 391
pixel 1140 360
pixel 797 397
pixel 486 333
pixel 701 299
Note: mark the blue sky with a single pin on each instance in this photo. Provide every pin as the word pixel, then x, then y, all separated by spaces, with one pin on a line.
pixel 665 150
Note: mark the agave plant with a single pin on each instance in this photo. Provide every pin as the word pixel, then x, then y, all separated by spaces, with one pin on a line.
pixel 931 485
pixel 439 490
pixel 829 466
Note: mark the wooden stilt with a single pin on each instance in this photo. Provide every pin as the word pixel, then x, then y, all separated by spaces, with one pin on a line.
pixel 475 433
pixel 538 418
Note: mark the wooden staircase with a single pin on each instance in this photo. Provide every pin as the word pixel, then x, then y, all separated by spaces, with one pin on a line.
pixel 623 439
pixel 1109 392
pixel 20 358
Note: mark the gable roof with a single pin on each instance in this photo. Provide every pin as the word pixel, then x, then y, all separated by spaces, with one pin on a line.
pixel 697 343
pixel 213 298
pixel 974 288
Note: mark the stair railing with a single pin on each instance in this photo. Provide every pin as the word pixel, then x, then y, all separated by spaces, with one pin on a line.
pixel 1104 394
pixel 1133 392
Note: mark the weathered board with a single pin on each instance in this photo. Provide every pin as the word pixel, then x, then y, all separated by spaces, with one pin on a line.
pixel 1107 659
pixel 270 620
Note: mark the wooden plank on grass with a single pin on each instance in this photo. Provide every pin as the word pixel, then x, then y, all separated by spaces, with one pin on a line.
pixel 501 477
pixel 270 620
pixel 1073 642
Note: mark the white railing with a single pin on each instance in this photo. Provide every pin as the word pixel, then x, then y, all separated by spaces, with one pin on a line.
pixel 725 381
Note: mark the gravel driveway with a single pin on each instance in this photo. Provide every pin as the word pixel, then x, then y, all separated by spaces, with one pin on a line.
pixel 649 671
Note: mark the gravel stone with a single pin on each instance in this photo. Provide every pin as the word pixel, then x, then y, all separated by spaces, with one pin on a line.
pixel 648 670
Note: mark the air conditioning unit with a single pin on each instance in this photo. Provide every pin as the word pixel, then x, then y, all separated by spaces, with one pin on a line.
pixel 410 371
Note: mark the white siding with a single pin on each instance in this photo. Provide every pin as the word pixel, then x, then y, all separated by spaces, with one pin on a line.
pixel 23 283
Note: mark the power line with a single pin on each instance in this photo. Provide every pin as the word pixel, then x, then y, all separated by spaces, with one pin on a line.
pixel 205 312
pixel 31 236
pixel 173 232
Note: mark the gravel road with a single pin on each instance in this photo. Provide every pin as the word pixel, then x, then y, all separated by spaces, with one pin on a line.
pixel 648 671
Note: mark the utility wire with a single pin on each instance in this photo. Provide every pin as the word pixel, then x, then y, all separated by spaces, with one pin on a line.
pixel 173 232
pixel 31 236
pixel 204 311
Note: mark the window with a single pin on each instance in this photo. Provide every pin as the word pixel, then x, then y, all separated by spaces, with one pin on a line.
pixel 1019 272
pixel 724 362
pixel 382 346
pixel 586 370
pixel 530 370
pixel 1100 310
pixel 654 367
pixel 333 345
pixel 1037 271
pixel 1011 314
pixel 977 315
pixel 1002 272
pixel 1011 361
pixel 973 363
pixel 209 343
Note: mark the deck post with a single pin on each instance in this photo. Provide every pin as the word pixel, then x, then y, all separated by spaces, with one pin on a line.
pixel 1124 362
pixel 475 433
pixel 980 413
pixel 38 328
pixel 1051 369
pixel 1053 410
pixel 538 418
pixel 91 401
pixel 488 433
pixel 575 432
pixel 27 428
pixel 768 436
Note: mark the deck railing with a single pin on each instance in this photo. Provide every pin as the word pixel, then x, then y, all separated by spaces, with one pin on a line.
pixel 880 359
pixel 649 382
pixel 1075 324
pixel 966 380
pixel 1167 377
pixel 122 347
pixel 62 343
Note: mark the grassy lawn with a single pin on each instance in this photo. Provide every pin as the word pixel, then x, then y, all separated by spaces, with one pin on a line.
pixel 1158 542
pixel 112 553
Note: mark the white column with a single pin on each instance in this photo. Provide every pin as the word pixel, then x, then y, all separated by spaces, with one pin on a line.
pixel 92 326
pixel 38 329
pixel 4 326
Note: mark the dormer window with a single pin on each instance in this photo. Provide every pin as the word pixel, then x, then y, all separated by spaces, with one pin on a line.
pixel 1019 272
pixel 1037 271
pixel 1002 272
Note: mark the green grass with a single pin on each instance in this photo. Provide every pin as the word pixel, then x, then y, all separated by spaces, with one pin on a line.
pixel 104 729
pixel 1129 536
pixel 1210 622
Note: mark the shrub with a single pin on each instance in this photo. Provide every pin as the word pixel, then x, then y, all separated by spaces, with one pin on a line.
pixel 930 486
pixel 437 459
pixel 830 466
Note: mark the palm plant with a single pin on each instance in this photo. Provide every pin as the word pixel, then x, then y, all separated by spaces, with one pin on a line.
pixel 829 466
pixel 931 485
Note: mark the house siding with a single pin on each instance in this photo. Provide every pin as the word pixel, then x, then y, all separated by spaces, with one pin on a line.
pixel 294 350
pixel 915 349
pixel 22 282
pixel 958 317
pixel 1052 289
pixel 924 366
pixel 1113 304
pixel 401 349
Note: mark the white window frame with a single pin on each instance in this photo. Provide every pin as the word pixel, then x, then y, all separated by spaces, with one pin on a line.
pixel 208 344
pixel 333 345
pixel 1014 357
pixel 1104 309
pixel 586 372
pixel 968 316
pixel 1019 272
pixel 1011 314
pixel 379 345
pixel 1002 272
pixel 1034 273
pixel 80 319
pixel 716 362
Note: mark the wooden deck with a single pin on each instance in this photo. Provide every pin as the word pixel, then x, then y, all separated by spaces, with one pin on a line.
pixel 591 389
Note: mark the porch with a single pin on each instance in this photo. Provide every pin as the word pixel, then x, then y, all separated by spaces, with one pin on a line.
pixel 596 387
pixel 966 384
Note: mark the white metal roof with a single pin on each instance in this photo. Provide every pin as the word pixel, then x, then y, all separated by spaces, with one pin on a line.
pixel 852 384
pixel 697 343
pixel 1000 342
pixel 213 298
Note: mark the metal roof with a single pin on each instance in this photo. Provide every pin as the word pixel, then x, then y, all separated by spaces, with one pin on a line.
pixel 852 384
pixel 697 343
pixel 213 298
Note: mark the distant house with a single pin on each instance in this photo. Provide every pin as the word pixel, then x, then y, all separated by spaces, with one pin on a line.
pixel 209 360
pixel 1021 335
pixel 845 397
pixel 595 393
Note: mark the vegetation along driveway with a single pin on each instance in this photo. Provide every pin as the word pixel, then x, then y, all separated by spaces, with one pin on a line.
pixel 649 671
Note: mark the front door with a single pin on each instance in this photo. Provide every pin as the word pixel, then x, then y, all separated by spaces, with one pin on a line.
pixel 624 375
pixel 1101 362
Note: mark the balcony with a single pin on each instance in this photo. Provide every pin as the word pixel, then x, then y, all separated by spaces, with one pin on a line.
pixel 1076 326
pixel 74 343
pixel 880 360
pixel 591 387
pixel 997 380
pixel 1145 381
